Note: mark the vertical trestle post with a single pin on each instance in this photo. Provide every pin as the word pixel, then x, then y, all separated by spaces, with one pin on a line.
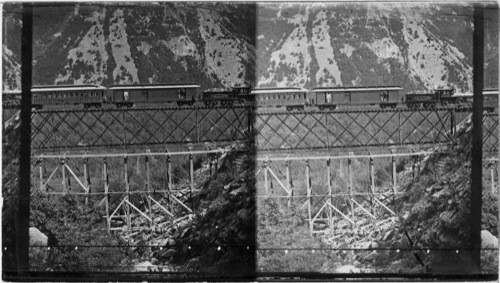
pixel 452 122
pixel 349 174
pixel 309 192
pixel 413 164
pixel 271 187
pixel 394 181
pixel 492 172
pixel 419 158
pixel 86 180
pixel 266 185
pixel 63 167
pixel 372 186
pixel 40 170
pixel 289 182
pixel 191 173
pixel 127 191
pixel 148 186
pixel 191 178
pixel 211 162
pixel 137 166
pixel 216 165
pixel 106 191
pixel 170 187
pixel 330 193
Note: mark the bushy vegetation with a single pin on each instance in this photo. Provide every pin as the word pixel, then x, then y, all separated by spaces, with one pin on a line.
pixel 10 189
pixel 78 232
pixel 280 228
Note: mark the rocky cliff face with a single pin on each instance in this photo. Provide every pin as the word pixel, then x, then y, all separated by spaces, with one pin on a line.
pixel 417 46
pixel 208 43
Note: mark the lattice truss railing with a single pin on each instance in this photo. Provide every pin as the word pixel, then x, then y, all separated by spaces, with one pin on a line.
pixel 490 132
pixel 66 129
pixel 353 128
pixel 137 191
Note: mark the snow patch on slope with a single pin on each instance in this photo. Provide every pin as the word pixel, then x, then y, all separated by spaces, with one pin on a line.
pixel 224 56
pixel 347 50
pixel 144 48
pixel 293 54
pixel 125 71
pixel 328 73
pixel 428 54
pixel 91 51
pixel 182 46
pixel 385 48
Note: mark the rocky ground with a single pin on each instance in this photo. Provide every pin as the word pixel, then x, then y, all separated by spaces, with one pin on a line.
pixel 218 238
pixel 431 233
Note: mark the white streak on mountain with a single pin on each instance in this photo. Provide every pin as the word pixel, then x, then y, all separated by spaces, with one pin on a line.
pixel 328 73
pixel 292 55
pixel 224 53
pixel 91 51
pixel 125 71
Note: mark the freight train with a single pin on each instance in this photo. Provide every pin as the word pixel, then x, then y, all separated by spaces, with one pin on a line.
pixel 291 98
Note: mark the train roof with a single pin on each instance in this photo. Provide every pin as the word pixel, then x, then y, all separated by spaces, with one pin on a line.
pixel 65 88
pixel 273 88
pixel 15 91
pixel 364 88
pixel 168 86
pixel 485 92
pixel 490 91
pixel 278 90
pixel 217 91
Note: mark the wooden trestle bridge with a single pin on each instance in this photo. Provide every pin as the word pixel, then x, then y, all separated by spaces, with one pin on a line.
pixel 70 145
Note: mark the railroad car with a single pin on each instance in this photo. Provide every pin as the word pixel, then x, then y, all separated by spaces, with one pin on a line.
pixel 227 98
pixel 127 96
pixel 490 99
pixel 11 98
pixel 88 95
pixel 430 99
pixel 330 98
pixel 291 98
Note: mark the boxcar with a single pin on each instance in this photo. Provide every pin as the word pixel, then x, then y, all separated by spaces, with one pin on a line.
pixel 330 98
pixel 128 95
pixel 88 95
pixel 226 97
pixel 490 99
pixel 291 98
pixel 212 98
pixel 11 99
